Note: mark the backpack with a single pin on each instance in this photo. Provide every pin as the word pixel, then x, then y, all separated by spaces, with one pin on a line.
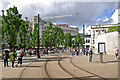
pixel 21 52
pixel 18 54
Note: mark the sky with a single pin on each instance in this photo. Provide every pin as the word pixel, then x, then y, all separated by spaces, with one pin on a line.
pixel 79 12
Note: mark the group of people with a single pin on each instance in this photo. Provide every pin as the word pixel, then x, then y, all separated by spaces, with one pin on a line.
pixel 83 51
pixel 12 55
pixel 90 52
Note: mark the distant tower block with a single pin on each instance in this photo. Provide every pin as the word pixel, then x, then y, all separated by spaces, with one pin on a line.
pixel 83 30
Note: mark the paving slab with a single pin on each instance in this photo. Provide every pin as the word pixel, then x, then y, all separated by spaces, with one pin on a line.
pixel 107 69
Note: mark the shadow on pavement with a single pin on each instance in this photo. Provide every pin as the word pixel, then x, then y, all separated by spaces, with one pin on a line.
pixel 111 61
pixel 59 79
pixel 32 66
pixel 107 62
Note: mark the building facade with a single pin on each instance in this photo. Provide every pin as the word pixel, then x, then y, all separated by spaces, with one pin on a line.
pixel 87 41
pixel 99 35
pixel 43 26
pixel 67 29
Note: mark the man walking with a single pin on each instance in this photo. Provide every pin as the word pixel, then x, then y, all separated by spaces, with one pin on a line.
pixel 5 57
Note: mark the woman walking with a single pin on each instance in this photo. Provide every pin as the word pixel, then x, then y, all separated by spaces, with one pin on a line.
pixel 90 55
pixel 12 57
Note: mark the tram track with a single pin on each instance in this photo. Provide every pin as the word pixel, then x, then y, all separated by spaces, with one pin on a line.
pixel 61 67
pixel 21 74
pixel 59 59
pixel 46 71
pixel 74 77
pixel 86 70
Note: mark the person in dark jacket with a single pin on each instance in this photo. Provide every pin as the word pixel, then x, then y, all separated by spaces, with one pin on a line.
pixel 5 57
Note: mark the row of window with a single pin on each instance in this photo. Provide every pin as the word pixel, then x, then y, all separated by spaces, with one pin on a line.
pixel 87 41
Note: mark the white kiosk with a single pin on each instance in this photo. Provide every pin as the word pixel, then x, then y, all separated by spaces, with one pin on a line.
pixel 101 50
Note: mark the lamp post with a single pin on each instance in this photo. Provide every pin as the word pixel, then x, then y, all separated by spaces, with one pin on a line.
pixel 2 12
pixel 2 27
pixel 38 55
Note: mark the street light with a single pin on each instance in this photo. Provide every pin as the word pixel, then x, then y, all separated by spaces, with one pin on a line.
pixel 2 12
pixel 38 55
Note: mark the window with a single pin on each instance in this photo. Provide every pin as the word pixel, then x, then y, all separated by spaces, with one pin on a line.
pixel 87 41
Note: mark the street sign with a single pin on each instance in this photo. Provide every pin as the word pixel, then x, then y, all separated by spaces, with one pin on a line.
pixel 101 47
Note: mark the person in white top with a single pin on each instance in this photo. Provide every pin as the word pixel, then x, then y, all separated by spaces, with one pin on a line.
pixel 116 52
pixel 81 51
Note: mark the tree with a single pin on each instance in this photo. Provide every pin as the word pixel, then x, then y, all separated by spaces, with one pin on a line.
pixel 68 40
pixel 23 35
pixel 79 41
pixel 58 36
pixel 47 37
pixel 82 42
pixel 10 26
pixel 0 33
pixel 34 37
pixel 73 43
pixel 53 36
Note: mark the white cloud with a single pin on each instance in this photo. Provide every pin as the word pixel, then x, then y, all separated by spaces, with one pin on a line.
pixel 105 19
pixel 114 17
pixel 112 20
pixel 88 10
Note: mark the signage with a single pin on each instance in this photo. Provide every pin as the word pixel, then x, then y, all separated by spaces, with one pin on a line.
pixel 101 47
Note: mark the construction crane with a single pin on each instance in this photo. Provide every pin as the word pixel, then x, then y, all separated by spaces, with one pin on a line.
pixel 56 17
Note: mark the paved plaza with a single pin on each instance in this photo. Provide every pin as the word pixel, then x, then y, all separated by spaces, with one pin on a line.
pixel 63 67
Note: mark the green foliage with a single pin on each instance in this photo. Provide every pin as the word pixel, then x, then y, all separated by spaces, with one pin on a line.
pixel 34 36
pixel 82 41
pixel 73 43
pixel 68 40
pixel 14 29
pixel 113 29
pixel 23 35
pixel 53 36
pixel 0 32
pixel 77 40
pixel 47 37
pixel 10 25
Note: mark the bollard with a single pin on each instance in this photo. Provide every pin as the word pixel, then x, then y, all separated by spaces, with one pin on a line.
pixel 101 57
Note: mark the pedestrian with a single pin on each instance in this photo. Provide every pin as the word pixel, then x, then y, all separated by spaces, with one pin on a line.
pixel 73 53
pixel 30 52
pixel 77 53
pixel 12 57
pixel 19 57
pixel 116 53
pixel 81 51
pixel 87 50
pixel 90 55
pixel 5 57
